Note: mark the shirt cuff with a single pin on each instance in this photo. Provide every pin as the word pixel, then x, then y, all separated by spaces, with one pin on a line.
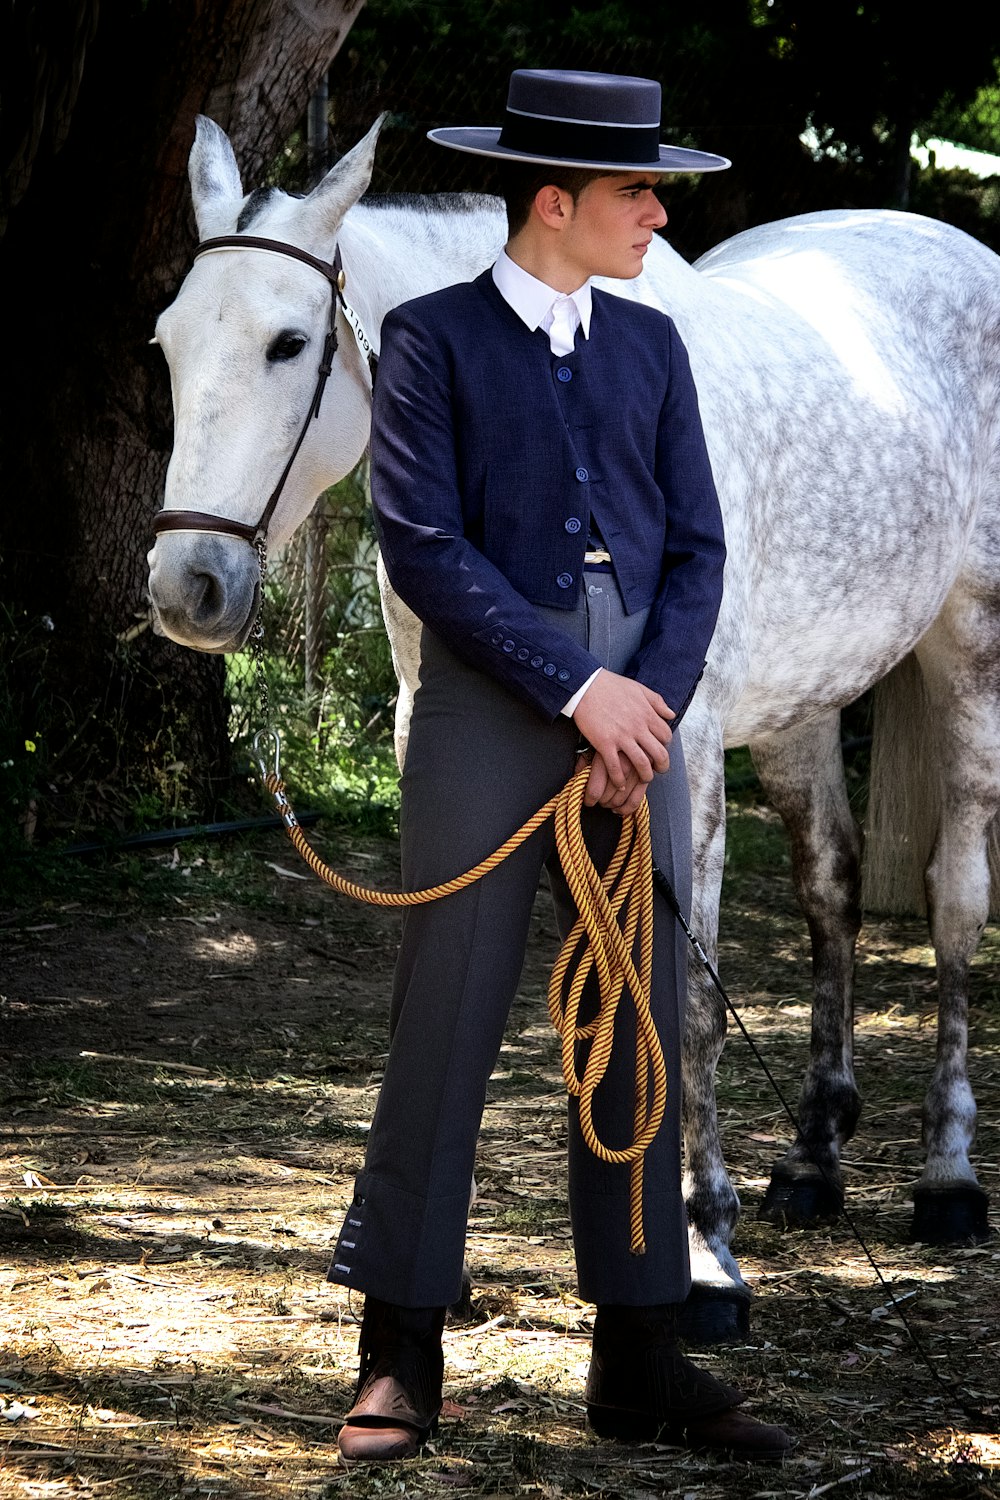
pixel 569 708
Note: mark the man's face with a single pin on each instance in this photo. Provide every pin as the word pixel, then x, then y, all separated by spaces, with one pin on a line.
pixel 612 223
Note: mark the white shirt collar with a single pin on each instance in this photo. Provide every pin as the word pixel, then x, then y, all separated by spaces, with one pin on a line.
pixel 533 300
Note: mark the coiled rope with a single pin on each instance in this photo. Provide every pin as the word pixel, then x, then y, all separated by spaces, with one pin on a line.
pixel 615 915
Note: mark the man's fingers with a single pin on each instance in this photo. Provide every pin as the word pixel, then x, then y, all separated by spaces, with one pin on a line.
pixel 598 785
pixel 629 803
pixel 658 755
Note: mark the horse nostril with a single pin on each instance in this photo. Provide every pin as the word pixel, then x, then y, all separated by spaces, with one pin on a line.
pixel 208 598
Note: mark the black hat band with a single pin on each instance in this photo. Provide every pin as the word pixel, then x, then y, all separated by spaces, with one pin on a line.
pixel 537 136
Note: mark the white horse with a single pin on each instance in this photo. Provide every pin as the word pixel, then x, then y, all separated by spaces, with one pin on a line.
pixel 848 365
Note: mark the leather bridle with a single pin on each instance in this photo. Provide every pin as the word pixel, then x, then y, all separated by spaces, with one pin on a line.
pixel 256 534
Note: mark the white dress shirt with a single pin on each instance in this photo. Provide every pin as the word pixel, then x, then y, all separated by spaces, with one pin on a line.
pixel 558 314
pixel 539 305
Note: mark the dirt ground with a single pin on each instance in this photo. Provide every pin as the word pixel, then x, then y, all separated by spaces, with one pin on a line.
pixel 189 1057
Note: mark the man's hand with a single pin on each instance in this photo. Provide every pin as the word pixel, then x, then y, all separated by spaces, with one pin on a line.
pixel 602 792
pixel 629 727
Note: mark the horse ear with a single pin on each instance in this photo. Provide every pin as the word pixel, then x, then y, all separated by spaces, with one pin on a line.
pixel 215 179
pixel 344 184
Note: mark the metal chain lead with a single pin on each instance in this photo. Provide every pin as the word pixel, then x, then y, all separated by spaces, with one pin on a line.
pixel 256 640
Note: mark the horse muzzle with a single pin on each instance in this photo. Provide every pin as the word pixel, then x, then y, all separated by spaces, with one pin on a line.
pixel 205 589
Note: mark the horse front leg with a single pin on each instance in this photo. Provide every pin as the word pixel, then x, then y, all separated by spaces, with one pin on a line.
pixel 403 629
pixel 718 1307
pixel 802 772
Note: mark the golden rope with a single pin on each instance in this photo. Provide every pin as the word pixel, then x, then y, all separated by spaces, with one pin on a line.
pixel 615 910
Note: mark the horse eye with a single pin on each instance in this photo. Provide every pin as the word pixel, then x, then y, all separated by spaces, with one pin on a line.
pixel 286 346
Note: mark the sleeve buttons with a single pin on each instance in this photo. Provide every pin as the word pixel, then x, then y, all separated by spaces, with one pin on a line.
pixel 508 646
pixel 563 674
pixel 549 669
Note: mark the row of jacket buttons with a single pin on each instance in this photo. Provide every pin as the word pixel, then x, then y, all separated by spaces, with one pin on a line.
pixel 547 667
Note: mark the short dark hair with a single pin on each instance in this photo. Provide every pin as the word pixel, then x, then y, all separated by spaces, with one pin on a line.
pixel 519 182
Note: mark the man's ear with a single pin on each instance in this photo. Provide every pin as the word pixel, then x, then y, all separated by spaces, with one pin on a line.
pixel 554 206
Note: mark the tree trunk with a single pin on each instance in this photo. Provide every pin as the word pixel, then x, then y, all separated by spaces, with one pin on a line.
pixel 100 233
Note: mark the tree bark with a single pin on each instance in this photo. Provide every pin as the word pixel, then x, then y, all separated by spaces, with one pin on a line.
pixel 99 236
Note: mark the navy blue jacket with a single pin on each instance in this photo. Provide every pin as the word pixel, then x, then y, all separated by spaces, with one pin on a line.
pixel 490 455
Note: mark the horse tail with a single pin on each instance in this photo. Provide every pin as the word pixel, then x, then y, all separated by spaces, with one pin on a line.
pixel 904 797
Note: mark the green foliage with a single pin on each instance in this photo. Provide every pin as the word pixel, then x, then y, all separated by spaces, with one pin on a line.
pixel 336 732
pixel 331 757
pixel 976 124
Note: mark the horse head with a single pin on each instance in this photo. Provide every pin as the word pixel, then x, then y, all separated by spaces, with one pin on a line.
pixel 244 340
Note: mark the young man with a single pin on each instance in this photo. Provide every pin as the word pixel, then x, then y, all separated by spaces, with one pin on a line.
pixel 545 505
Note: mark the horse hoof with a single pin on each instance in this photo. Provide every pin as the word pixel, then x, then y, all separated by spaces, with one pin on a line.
pixel 798 1199
pixel 950 1215
pixel 714 1315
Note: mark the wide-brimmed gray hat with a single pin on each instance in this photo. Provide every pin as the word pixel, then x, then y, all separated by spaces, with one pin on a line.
pixel 592 120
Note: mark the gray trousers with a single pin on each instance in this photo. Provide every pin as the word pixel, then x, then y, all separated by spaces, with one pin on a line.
pixel 478 763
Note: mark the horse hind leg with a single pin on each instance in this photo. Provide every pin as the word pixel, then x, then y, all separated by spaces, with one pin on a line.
pixel 960 657
pixel 802 772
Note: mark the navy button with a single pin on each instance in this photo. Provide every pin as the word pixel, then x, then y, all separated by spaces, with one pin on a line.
pixel 563 675
pixel 565 580
pixel 508 646
pixel 564 374
pixel 522 655
pixel 549 669
pixel 497 638
pixel 582 474
pixel 572 525
pixel 536 662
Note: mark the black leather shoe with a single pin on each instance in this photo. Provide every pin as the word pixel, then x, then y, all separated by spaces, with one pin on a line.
pixel 642 1389
pixel 398 1398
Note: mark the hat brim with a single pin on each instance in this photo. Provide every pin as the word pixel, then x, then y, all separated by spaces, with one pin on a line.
pixel 482 140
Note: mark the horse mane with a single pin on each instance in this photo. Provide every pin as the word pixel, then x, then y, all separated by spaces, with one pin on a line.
pixel 255 206
pixel 436 203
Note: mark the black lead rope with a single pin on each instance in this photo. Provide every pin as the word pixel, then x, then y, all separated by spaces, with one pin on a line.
pixel 950 1389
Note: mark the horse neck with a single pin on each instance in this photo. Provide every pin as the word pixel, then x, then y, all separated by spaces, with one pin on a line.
pixel 405 248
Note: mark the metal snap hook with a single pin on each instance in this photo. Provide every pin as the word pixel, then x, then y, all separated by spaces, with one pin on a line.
pixel 264 741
